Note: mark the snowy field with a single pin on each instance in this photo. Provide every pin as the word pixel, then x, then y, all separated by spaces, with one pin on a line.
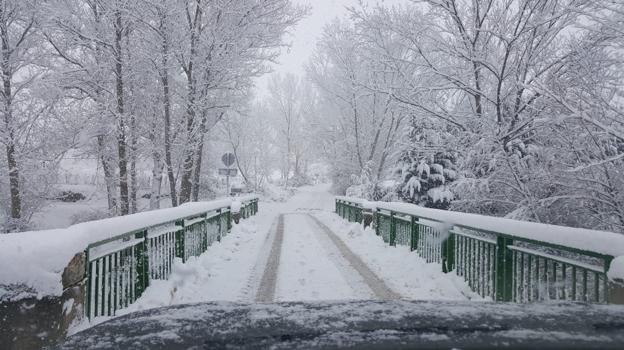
pixel 57 214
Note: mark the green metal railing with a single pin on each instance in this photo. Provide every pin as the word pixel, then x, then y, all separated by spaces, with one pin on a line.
pixel 249 208
pixel 349 211
pixel 500 266
pixel 120 269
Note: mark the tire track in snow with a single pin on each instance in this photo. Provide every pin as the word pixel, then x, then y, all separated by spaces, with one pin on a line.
pixel 268 283
pixel 312 268
pixel 374 282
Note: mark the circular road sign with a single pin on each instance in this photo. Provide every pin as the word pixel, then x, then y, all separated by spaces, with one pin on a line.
pixel 228 159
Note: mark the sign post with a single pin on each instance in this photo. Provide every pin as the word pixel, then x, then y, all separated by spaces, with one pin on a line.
pixel 228 159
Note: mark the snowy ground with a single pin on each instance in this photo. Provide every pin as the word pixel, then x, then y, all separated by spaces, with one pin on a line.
pixel 57 214
pixel 311 266
pixel 404 271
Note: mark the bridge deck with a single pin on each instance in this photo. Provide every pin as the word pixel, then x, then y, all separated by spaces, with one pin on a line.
pixel 309 254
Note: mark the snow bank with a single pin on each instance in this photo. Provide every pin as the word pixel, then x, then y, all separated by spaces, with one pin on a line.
pixel 616 270
pixel 365 204
pixel 245 198
pixel 358 201
pixel 238 202
pixel 236 206
pixel 602 242
pixel 221 273
pixel 36 259
pixel 403 271
pixel 224 272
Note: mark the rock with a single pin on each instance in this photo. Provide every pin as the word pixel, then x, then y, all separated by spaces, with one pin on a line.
pixel 74 272
pixel 616 291
pixel 73 306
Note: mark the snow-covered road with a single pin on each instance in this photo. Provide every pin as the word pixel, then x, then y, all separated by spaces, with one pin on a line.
pixel 299 250
pixel 314 267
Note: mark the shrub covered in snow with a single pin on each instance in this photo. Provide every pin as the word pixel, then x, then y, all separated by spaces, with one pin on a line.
pixel 70 196
pixel 367 186
pixel 426 169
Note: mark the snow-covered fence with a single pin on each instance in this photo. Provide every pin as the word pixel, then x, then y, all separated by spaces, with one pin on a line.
pixel 119 269
pixel 96 268
pixel 349 209
pixel 506 260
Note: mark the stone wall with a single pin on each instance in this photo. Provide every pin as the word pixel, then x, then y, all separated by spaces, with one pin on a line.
pixel 33 323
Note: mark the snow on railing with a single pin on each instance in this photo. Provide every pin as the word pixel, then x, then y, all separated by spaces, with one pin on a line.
pixel 119 277
pixel 119 255
pixel 506 260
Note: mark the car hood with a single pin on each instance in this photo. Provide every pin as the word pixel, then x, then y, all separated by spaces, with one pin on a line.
pixel 361 324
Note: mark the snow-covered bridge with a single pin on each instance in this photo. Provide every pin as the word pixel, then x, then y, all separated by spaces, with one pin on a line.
pixel 298 250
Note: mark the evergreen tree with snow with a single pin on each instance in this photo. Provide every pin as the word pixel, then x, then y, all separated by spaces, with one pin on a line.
pixel 426 168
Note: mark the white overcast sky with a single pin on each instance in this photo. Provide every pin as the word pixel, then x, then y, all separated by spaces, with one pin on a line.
pixel 309 29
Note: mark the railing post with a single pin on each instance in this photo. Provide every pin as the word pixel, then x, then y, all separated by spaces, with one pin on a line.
pixel 237 215
pixel 142 265
pixel 377 215
pixel 179 240
pixel 88 295
pixel 504 269
pixel 448 253
pixel 220 212
pixel 229 219
pixel 205 233
pixel 392 230
pixel 367 216
pixel 413 233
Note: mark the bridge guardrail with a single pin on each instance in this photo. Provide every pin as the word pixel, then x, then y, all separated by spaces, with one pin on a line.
pixel 503 259
pixel 120 268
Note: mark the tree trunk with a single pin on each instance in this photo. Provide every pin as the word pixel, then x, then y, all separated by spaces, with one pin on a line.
pixel 241 169
pixel 109 179
pixel 12 163
pixel 384 154
pixel 167 108
pixel 157 176
pixel 186 185
pixel 133 160
pixel 356 130
pixel 121 132
pixel 16 199
pixel 104 155
pixel 286 174
pixel 197 169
